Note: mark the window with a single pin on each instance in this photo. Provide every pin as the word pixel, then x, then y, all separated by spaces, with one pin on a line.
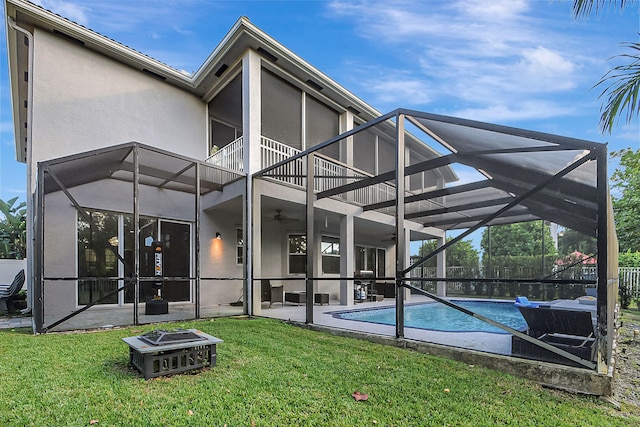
pixel 100 271
pixel 321 123
pixel 365 148
pixel 297 254
pixel 330 250
pixel 226 114
pixel 281 110
pixel 239 246
pixel 96 259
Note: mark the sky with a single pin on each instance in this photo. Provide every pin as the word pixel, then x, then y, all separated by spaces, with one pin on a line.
pixel 520 63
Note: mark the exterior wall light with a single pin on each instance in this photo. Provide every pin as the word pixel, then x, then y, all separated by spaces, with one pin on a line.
pixel 218 235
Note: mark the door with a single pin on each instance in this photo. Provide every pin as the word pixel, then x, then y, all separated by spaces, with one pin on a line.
pixel 176 260
pixel 176 242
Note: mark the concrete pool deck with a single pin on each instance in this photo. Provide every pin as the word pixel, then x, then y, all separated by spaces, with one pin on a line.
pixel 323 316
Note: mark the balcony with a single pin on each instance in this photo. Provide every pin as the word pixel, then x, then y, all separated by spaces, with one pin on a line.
pixel 330 173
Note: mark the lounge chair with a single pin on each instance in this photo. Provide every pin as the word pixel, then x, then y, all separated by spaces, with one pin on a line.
pixel 569 330
pixel 9 292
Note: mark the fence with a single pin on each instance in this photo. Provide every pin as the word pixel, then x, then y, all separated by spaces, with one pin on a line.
pixel 629 280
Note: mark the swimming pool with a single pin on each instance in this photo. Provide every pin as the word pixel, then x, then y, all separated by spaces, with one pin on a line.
pixel 439 317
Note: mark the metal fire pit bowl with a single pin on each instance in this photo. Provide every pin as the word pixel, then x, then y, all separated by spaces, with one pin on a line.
pixel 162 352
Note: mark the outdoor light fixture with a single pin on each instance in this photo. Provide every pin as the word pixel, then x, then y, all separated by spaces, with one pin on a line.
pixel 218 235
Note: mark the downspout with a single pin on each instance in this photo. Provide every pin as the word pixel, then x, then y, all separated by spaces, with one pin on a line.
pixel 30 216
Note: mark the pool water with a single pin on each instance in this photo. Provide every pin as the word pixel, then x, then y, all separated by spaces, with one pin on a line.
pixel 439 317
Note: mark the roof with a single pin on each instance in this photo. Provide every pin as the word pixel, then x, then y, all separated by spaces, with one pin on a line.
pixel 243 35
pixel 528 176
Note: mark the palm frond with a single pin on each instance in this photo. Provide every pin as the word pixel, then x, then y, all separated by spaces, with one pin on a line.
pixel 623 91
pixel 583 8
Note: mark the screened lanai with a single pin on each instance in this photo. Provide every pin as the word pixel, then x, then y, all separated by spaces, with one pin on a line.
pixel 519 176
pixel 91 272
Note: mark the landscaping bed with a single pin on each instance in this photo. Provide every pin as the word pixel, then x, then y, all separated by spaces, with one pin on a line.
pixel 626 387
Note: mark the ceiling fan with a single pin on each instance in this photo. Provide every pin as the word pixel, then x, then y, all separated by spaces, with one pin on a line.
pixel 282 218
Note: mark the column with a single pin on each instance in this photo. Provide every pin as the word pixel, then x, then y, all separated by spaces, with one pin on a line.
pixel 347 259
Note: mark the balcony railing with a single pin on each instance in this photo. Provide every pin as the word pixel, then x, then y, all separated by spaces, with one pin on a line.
pixel 229 156
pixel 329 172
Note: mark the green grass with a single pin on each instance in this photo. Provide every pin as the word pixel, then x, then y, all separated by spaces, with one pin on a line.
pixel 270 373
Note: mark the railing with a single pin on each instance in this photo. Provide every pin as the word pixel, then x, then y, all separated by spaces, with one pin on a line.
pixel 330 173
pixel 629 279
pixel 229 157
pixel 272 152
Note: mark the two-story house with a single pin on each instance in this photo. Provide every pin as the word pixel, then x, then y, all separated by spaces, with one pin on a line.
pixel 148 184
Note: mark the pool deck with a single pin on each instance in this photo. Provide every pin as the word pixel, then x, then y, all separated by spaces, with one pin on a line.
pixel 323 316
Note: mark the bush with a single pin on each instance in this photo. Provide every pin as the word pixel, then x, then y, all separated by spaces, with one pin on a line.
pixel 629 259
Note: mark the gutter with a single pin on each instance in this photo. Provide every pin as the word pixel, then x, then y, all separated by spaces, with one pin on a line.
pixel 30 245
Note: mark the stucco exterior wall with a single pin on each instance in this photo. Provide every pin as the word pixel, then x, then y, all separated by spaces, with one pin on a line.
pixel 83 101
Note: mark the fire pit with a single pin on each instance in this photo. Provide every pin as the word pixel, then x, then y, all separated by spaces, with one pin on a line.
pixel 162 352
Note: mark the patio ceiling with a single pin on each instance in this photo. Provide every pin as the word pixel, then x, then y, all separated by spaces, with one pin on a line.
pixel 511 163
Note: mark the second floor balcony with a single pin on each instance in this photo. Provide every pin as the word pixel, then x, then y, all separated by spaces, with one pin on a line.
pixel 329 172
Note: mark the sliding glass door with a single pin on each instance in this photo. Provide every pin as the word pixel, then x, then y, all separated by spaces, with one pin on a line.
pixel 99 267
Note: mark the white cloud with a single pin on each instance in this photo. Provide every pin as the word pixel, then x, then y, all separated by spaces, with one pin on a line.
pixel 546 69
pixel 513 112
pixel 485 57
pixel 70 10
pixel 411 91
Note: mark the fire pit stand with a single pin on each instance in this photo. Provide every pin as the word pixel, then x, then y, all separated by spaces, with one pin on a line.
pixel 160 352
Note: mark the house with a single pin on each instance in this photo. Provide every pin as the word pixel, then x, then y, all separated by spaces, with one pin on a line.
pixel 87 101
pixel 148 184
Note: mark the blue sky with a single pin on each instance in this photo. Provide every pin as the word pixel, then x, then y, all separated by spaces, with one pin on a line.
pixel 520 63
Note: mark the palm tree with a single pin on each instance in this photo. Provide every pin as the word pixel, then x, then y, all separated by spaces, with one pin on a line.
pixel 13 229
pixel 623 87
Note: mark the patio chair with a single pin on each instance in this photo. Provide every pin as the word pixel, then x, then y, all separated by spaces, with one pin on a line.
pixel 271 293
pixel 8 292
pixel 569 330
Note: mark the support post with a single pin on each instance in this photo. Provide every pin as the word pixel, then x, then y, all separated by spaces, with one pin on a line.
pixel 347 259
pixel 310 236
pixel 136 233
pixel 602 329
pixel 197 237
pixel 401 261
pixel 441 269
pixel 38 285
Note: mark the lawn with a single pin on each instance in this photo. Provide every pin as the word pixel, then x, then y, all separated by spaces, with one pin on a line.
pixel 270 373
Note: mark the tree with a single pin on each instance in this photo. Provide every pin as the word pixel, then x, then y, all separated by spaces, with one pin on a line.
pixel 570 241
pixel 13 228
pixel 521 239
pixel 625 182
pixel 623 81
pixel 515 250
pixel 462 254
